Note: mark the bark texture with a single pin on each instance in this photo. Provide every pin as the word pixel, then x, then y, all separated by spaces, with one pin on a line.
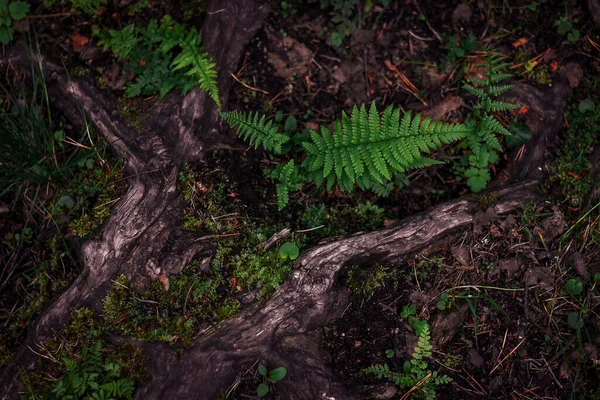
pixel 142 239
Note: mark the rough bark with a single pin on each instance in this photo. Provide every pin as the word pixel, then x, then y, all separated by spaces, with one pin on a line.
pixel 141 238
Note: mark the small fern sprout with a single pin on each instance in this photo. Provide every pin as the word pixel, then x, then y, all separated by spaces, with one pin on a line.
pixel 484 125
pixel 415 372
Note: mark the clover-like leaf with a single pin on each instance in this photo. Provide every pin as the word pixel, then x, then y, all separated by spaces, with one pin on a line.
pixel 575 321
pixel 290 250
pixel 574 287
pixel 262 390
pixel 277 374
pixel 586 105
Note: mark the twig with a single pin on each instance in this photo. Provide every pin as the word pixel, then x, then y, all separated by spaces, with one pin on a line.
pixel 41 355
pixel 508 355
pixel 246 85
pixel 412 389
pixel 310 229
pixel 64 14
pixel 552 373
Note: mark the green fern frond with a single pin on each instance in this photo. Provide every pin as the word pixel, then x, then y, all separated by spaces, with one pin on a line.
pixel 382 371
pixel 198 64
pixel 256 130
pixel 365 148
pixel 289 180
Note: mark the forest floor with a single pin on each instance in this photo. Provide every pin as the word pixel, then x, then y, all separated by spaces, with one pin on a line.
pixel 512 303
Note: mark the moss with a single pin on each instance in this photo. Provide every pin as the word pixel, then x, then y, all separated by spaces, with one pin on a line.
pixel 572 167
pixel 130 113
pixel 364 281
pixel 52 274
pixel 173 315
pixel 97 189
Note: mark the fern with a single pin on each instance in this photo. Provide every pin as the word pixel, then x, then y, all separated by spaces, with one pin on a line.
pixel 157 64
pixel 92 378
pixel 365 149
pixel 416 371
pixel 192 57
pixel 483 140
pixel 370 151
pixel 254 129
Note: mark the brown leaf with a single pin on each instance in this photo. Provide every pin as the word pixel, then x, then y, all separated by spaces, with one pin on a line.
pixel 444 107
pixel 79 41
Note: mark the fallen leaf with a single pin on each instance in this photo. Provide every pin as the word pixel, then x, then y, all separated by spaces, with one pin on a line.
pixel 444 107
pixel 519 42
pixel 79 41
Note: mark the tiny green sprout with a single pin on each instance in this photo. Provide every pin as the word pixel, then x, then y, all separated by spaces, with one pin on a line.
pixel 575 321
pixel 597 277
pixel 443 303
pixel 408 310
pixel 389 353
pixel 289 249
pixel 272 376
pixel 336 39
pixel 586 105
pixel 574 287
pixel 290 124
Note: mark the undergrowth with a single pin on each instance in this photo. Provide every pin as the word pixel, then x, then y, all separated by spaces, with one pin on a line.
pixel 416 375
pixel 163 56
pixel 369 151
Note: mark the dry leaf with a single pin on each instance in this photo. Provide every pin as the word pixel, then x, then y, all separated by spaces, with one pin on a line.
pixel 79 41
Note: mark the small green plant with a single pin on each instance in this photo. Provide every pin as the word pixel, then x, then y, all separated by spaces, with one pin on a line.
pixel 458 49
pixel 565 27
pixel 10 11
pixel 269 378
pixel 444 302
pixel 482 141
pixel 91 377
pixel 89 7
pixel 158 67
pixel 370 151
pixel 415 372
pixel 410 313
pixel 574 286
pixel 289 250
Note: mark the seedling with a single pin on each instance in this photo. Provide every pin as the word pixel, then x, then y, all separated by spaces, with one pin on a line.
pixel 574 287
pixel 565 27
pixel 444 301
pixel 269 377
pixel 419 325
pixel 16 10
pixel 289 249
